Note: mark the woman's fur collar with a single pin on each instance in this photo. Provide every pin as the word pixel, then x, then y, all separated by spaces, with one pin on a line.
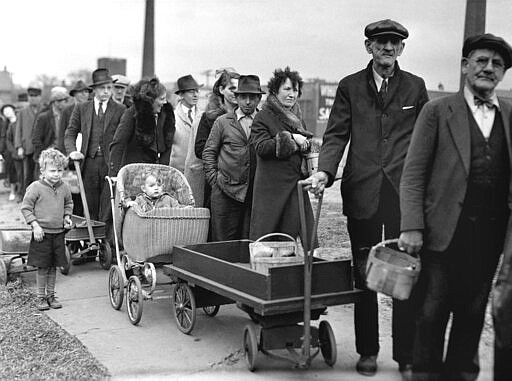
pixel 291 118
pixel 215 107
pixel 145 122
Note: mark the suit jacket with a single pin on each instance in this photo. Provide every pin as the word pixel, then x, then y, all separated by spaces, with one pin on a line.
pixel 24 129
pixel 379 134
pixel 228 157
pixel 436 170
pixel 44 133
pixel 81 121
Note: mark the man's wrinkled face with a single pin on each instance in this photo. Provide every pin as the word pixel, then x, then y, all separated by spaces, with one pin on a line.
pixel 385 50
pixel 484 69
pixel 119 92
pixel 103 92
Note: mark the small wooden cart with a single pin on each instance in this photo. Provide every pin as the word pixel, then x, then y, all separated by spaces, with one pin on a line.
pixel 14 244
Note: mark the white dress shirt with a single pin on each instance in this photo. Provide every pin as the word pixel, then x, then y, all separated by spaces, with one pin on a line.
pixel 245 120
pixel 97 105
pixel 484 116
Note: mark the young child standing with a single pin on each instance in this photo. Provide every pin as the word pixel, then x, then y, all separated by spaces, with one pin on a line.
pixel 47 207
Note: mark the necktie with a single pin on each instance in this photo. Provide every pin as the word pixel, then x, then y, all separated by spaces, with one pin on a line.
pixel 480 102
pixel 190 115
pixel 383 89
pixel 100 111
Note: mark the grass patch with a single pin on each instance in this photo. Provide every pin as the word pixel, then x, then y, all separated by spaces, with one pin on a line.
pixel 32 346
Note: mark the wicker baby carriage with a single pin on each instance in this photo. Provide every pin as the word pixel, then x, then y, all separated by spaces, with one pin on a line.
pixel 149 237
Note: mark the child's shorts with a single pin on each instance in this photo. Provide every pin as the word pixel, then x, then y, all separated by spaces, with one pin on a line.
pixel 50 252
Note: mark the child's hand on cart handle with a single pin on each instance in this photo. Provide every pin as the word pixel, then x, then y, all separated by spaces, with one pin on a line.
pixel 316 183
pixel 411 241
pixel 76 155
pixel 68 224
pixel 38 231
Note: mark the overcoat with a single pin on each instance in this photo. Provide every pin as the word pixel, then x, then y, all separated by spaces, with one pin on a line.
pixel 126 148
pixel 275 181
pixel 379 133
pixel 44 133
pixel 81 121
pixel 436 170
pixel 180 143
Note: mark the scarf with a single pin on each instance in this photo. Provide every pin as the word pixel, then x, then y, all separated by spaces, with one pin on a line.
pixel 291 117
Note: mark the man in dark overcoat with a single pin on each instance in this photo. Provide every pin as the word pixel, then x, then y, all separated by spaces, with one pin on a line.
pixel 455 198
pixel 97 121
pixel 375 109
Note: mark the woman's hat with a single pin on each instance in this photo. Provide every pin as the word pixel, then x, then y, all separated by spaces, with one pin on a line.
pixel 100 77
pixel 186 83
pixel 79 86
pixel 249 84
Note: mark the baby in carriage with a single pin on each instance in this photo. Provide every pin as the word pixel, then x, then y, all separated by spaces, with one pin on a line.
pixel 153 197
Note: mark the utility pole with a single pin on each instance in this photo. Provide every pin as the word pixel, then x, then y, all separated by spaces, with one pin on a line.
pixel 148 55
pixel 474 22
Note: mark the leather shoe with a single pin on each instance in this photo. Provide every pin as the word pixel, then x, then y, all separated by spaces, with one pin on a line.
pixel 406 371
pixel 367 365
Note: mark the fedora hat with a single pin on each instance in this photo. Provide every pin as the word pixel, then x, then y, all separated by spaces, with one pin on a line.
pixel 186 83
pixel 249 84
pixel 78 87
pixel 100 77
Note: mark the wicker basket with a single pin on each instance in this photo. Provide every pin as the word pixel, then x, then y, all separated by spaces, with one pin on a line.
pixel 312 162
pixel 267 254
pixel 391 272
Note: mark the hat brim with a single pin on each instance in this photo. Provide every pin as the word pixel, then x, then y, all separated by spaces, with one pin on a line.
pixel 388 33
pixel 249 92
pixel 93 85
pixel 188 88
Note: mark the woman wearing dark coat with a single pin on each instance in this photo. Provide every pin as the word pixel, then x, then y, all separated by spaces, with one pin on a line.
pixel 281 141
pixel 146 129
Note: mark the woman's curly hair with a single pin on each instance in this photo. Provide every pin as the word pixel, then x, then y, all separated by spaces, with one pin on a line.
pixel 225 77
pixel 280 77
pixel 148 89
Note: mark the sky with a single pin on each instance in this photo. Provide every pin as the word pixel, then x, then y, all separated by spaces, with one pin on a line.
pixel 320 38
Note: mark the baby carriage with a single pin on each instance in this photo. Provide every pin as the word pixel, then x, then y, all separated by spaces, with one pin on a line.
pixel 147 238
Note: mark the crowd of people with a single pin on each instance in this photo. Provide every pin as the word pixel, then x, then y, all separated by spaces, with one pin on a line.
pixel 435 174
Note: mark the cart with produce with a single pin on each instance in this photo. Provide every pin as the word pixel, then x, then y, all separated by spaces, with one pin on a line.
pixel 278 292
pixel 144 240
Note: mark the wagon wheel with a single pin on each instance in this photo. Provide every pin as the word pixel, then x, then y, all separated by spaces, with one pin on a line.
pixel 115 287
pixel 327 343
pixel 250 347
pixel 184 307
pixel 3 272
pixel 211 311
pixel 134 299
pixel 64 270
pixel 105 255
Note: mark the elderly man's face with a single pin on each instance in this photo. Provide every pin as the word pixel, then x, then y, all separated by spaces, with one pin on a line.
pixel 103 92
pixel 118 93
pixel 385 50
pixel 483 69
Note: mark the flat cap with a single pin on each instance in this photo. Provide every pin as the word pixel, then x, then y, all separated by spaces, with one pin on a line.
pixel 488 41
pixel 58 93
pixel 385 28
pixel 120 80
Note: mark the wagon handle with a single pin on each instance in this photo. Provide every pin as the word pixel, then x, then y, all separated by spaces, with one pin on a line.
pixel 282 235
pixel 84 201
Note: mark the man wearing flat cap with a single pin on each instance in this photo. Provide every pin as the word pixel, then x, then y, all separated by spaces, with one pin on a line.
pixel 375 110
pixel 455 197
pixel 187 115
pixel 120 90
pixel 230 163
pixel 96 120
pixel 23 133
pixel 47 129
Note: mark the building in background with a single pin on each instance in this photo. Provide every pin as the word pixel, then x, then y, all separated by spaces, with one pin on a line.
pixel 114 65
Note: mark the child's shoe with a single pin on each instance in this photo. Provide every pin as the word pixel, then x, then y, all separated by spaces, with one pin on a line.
pixel 54 302
pixel 42 304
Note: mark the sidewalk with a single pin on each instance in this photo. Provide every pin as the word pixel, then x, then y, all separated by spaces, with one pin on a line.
pixel 157 350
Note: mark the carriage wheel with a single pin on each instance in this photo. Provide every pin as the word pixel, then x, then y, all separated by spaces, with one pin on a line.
pixel 3 272
pixel 64 270
pixel 327 343
pixel 105 255
pixel 184 307
pixel 250 347
pixel 211 311
pixel 115 287
pixel 150 275
pixel 134 299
